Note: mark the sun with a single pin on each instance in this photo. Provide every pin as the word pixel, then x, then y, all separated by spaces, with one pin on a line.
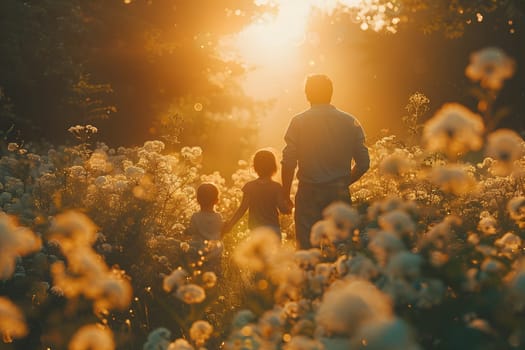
pixel 271 46
pixel 273 37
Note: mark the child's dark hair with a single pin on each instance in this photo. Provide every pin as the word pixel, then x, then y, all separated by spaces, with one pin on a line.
pixel 207 194
pixel 264 163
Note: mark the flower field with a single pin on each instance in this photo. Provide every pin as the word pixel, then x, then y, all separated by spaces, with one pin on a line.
pixel 431 255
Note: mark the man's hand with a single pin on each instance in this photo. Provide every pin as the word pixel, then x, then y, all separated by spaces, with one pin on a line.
pixel 284 203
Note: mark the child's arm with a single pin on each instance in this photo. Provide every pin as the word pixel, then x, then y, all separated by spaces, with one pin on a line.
pixel 243 207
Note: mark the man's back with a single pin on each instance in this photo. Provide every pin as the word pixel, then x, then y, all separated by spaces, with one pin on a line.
pixel 324 140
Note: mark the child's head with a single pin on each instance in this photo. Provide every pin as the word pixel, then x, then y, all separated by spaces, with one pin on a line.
pixel 264 163
pixel 207 195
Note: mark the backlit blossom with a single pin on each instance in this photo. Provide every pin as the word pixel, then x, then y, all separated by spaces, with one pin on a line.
pixel 517 289
pixel 258 250
pixel 505 146
pixel 492 266
pixel 191 294
pixel 193 154
pixel 348 306
pixel 92 336
pixel 73 229
pixel 12 322
pixel 357 266
pixel 488 224
pixel 344 216
pixel 157 339
pixel 453 130
pixel 200 332
pixel 490 66
pixel 384 245
pixel 303 343
pixel 243 318
pixel 395 165
pixel 387 335
pixel 112 292
pixel 175 279
pixel 307 259
pixel 516 209
pixel 509 244
pixel 209 279
pixel 15 241
pixel 405 265
pixel 180 344
pixel 397 221
pixel 324 232
pixel 453 178
pixel 154 146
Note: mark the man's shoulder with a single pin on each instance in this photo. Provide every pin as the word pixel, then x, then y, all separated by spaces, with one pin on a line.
pixel 349 118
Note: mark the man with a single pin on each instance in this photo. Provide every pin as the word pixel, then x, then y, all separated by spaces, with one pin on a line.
pixel 321 142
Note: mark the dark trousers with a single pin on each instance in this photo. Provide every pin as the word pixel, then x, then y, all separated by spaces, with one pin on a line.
pixel 310 201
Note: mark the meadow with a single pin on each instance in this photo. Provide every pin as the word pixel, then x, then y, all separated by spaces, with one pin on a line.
pixel 94 252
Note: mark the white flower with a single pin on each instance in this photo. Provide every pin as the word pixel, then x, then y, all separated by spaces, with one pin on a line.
pixel 307 259
pixel 516 209
pixel 491 66
pixel 344 216
pixel 349 305
pixel 158 339
pixel 15 241
pixel 101 181
pixel 200 332
pixel 509 243
pixel 453 130
pixel 134 172
pixel 322 231
pixel 92 336
pixel 487 225
pixel 385 245
pixel 191 294
pixel 258 251
pixel 405 265
pixel 387 335
pixel 77 171
pixel 358 266
pixel 243 318
pixel 395 165
pixel 453 178
pixel 180 344
pixel 209 279
pixel 505 146
pixel 492 266
pixel 397 221
pixel 154 146
pixel 193 154
pixel 73 229
pixel 176 279
pixel 12 322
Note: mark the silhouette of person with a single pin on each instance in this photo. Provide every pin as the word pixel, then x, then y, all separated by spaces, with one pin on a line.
pixel 321 143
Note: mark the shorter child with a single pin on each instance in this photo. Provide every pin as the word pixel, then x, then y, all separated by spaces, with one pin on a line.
pixel 262 197
pixel 205 227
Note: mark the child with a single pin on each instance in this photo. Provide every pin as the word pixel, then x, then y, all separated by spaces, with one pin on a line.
pixel 262 197
pixel 205 227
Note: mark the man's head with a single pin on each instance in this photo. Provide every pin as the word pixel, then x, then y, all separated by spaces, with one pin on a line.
pixel 318 89
pixel 207 195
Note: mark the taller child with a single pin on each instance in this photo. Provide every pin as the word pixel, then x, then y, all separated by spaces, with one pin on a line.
pixel 321 143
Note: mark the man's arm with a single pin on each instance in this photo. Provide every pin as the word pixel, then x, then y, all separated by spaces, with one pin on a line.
pixel 361 157
pixel 289 161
